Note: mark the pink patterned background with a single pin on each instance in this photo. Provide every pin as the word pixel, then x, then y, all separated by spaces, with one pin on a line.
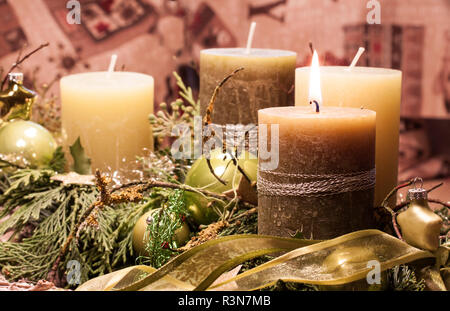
pixel 158 37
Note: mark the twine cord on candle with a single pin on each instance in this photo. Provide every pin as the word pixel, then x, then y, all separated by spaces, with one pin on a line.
pixel 311 185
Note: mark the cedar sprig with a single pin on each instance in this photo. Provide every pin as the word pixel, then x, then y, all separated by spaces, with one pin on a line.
pixel 90 216
pixel 162 225
pixel 402 278
pixel 53 210
pixel 181 111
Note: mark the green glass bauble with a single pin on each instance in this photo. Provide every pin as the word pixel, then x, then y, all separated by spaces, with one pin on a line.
pixel 199 176
pixel 181 236
pixel 28 139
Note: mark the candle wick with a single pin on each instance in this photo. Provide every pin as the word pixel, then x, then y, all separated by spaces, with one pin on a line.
pixel 250 37
pixel 112 64
pixel 356 58
pixel 317 105
pixel 311 47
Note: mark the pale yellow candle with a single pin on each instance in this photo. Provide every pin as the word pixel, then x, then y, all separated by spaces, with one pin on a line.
pixel 109 112
pixel 377 89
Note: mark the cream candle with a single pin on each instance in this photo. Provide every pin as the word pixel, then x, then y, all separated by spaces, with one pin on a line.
pixel 109 112
pixel 372 88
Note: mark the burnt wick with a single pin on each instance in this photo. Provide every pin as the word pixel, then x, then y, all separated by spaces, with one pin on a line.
pixel 317 105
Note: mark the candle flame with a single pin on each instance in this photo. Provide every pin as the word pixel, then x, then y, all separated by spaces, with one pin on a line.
pixel 315 92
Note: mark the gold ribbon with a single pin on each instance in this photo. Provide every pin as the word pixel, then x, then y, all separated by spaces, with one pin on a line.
pixel 197 267
pixel 338 261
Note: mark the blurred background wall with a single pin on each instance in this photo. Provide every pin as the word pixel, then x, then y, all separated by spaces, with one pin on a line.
pixel 158 37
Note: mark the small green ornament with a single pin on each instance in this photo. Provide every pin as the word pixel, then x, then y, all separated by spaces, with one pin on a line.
pixel 181 236
pixel 199 176
pixel 18 136
pixel 29 140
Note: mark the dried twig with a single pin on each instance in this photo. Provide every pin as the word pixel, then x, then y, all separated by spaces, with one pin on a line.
pixel 395 226
pixel 207 234
pixel 246 213
pixel 211 169
pixel 20 60
pixel 446 204
pixel 147 185
pixel 207 118
pixel 435 187
pixel 207 121
pixel 404 204
pixel 401 205
pixel 385 204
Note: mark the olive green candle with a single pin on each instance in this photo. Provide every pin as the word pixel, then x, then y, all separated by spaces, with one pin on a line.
pixel 267 81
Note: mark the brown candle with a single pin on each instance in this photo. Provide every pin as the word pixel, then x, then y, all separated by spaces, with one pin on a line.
pixel 323 185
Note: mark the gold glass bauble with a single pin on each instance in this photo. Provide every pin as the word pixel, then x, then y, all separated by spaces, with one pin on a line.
pixel 420 225
pixel 16 100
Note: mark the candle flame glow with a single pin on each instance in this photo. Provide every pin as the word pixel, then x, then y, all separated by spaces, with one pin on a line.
pixel 315 92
